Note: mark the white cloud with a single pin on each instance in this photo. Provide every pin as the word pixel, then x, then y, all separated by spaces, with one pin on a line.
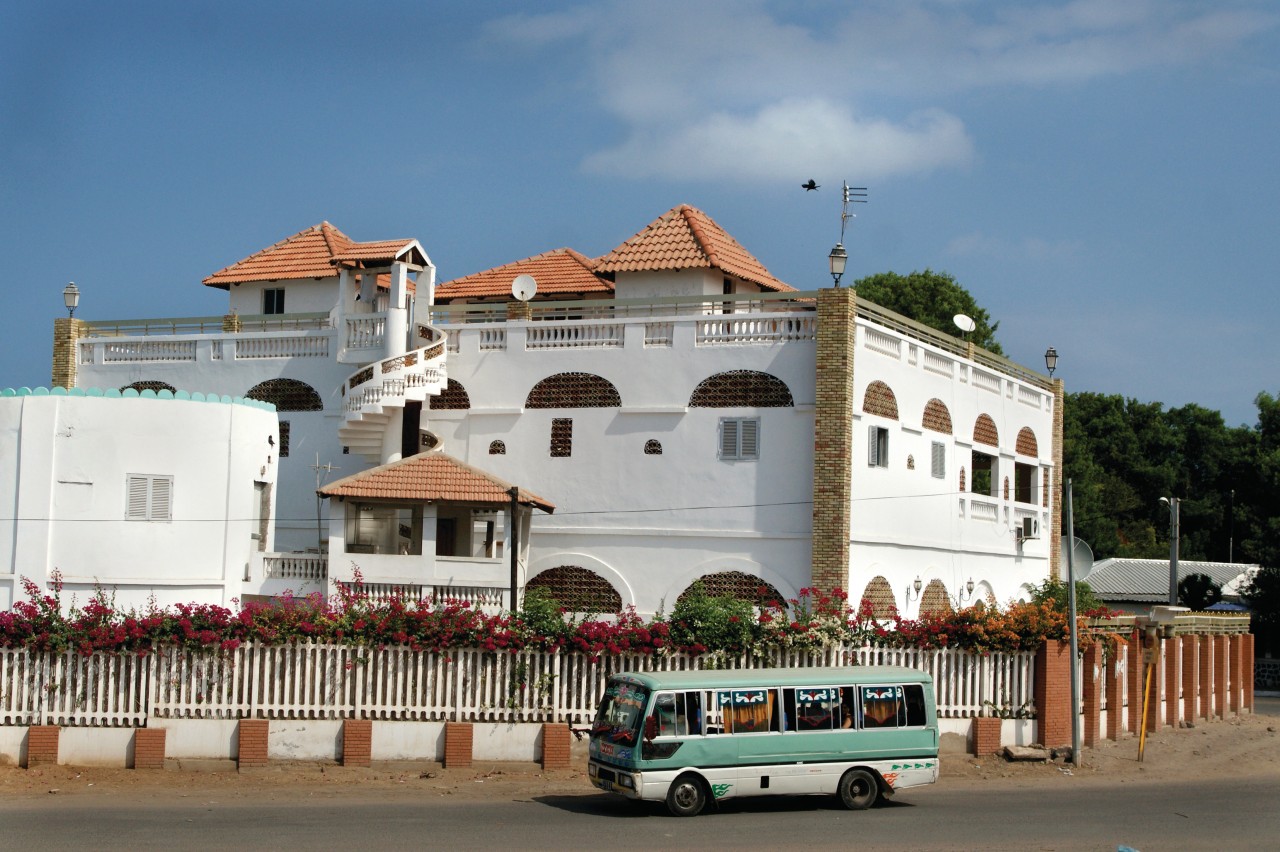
pixel 977 244
pixel 745 89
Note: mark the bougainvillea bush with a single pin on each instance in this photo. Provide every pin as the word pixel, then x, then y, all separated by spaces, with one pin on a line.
pixel 698 624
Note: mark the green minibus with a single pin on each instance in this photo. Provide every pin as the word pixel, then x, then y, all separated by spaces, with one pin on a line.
pixel 690 737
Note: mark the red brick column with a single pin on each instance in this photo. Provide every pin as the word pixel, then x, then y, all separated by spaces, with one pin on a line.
pixel 1135 681
pixel 357 742
pixel 555 746
pixel 1235 656
pixel 986 735
pixel 148 748
pixel 1115 693
pixel 1153 708
pixel 1053 693
pixel 1190 677
pixel 42 745
pixel 1172 706
pixel 1091 695
pixel 457 745
pixel 1248 672
pixel 251 748
pixel 1206 677
pixel 1220 676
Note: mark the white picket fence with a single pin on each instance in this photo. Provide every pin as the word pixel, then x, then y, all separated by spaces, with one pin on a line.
pixel 320 681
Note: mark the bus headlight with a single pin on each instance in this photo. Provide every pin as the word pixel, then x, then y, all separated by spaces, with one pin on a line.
pixel 627 781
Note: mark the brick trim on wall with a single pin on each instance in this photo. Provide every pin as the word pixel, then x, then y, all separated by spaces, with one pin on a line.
pixel 1053 693
pixel 555 746
pixel 1091 696
pixel 458 737
pixel 148 748
pixel 42 745
pixel 833 437
pixel 986 735
pixel 357 742
pixel 1172 706
pixel 1191 677
pixel 251 743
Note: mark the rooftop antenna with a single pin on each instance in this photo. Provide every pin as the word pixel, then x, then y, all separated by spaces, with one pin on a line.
pixel 839 257
pixel 327 467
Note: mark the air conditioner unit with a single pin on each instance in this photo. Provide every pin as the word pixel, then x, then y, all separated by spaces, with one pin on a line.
pixel 1030 529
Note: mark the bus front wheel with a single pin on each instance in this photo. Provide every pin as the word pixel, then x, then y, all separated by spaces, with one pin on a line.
pixel 858 789
pixel 687 796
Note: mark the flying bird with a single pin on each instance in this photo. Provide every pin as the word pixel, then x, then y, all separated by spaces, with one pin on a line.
pixel 810 186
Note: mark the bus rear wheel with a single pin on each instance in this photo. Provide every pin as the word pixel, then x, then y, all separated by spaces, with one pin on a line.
pixel 858 789
pixel 687 796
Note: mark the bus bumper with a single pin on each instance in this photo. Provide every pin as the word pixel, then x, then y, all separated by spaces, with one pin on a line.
pixel 611 779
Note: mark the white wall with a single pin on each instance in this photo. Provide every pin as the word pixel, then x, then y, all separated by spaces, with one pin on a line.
pixel 301 296
pixel 66 486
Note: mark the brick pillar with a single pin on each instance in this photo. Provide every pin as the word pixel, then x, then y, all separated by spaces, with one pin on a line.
pixel 251 748
pixel 1190 677
pixel 986 735
pixel 1135 669
pixel 555 746
pixel 1235 657
pixel 457 745
pixel 231 323
pixel 519 311
pixel 1153 708
pixel 1115 693
pixel 1055 504
pixel 1091 695
pixel 1172 706
pixel 66 331
pixel 1206 677
pixel 1248 672
pixel 42 745
pixel 1053 693
pixel 1220 676
pixel 833 439
pixel 148 748
pixel 357 742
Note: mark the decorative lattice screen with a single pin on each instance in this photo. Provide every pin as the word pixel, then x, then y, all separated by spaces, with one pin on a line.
pixel 741 389
pixel 453 398
pixel 880 594
pixel 287 395
pixel 742 586
pixel 935 600
pixel 151 386
pixel 937 417
pixel 578 590
pixel 879 399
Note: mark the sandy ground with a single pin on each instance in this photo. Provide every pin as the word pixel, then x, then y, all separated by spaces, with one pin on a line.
pixel 1248 745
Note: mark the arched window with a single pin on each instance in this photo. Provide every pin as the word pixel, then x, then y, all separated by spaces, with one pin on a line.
pixel 935 600
pixel 937 417
pixel 287 395
pixel 1027 444
pixel 573 390
pixel 879 399
pixel 741 389
pixel 878 598
pixel 744 587
pixel 653 447
pixel 152 386
pixel 578 590
pixel 497 448
pixel 984 431
pixel 453 398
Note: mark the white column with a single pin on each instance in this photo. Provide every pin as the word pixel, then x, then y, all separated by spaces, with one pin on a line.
pixel 394 342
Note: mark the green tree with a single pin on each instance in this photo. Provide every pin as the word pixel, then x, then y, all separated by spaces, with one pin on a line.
pixel 932 298
pixel 1262 594
pixel 1198 592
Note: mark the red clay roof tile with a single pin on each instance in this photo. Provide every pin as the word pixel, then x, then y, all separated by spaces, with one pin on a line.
pixel 431 477
pixel 559 272
pixel 307 254
pixel 686 238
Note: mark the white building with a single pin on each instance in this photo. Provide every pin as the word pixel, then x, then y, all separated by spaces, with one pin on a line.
pixel 686 414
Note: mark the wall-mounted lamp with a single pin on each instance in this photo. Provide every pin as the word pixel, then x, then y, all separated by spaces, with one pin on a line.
pixel 966 593
pixel 1051 360
pixel 71 298
pixel 915 587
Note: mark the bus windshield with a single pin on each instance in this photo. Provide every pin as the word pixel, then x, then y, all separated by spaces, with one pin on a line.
pixel 621 713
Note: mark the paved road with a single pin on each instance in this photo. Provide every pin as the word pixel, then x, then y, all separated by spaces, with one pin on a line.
pixel 1234 813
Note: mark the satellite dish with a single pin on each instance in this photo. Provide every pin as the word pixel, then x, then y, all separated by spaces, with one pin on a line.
pixel 523 287
pixel 964 323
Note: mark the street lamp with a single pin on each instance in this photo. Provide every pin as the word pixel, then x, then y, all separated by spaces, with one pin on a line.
pixel 71 298
pixel 1051 360
pixel 1174 505
pixel 838 259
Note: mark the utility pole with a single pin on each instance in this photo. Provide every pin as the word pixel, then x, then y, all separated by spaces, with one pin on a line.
pixel 1173 503
pixel 320 469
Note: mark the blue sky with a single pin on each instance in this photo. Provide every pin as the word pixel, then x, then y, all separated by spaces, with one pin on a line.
pixel 1101 175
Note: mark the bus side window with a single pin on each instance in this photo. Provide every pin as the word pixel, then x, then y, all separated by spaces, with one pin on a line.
pixel 914 694
pixel 882 706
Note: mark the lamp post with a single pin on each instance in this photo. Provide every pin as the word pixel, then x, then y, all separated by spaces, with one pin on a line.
pixel 71 298
pixel 838 259
pixel 1073 629
pixel 1174 505
pixel 1051 360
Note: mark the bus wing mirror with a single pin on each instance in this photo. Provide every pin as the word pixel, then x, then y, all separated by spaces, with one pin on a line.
pixel 650 727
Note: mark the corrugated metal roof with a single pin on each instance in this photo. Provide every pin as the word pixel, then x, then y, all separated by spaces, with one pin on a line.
pixel 1148 579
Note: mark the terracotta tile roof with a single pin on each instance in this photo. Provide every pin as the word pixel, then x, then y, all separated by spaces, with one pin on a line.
pixel 557 272
pixel 686 238
pixel 431 477
pixel 307 254
pixel 382 253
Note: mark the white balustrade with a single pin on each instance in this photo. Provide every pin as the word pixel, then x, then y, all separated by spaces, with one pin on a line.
pixel 573 336
pixel 248 348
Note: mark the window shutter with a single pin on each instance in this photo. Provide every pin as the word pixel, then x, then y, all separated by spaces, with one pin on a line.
pixel 873 446
pixel 161 498
pixel 136 498
pixel 728 439
pixel 749 435
pixel 939 460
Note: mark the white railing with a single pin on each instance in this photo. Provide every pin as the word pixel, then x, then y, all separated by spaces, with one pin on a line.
pixel 659 333
pixel 984 510
pixel 729 330
pixel 365 332
pixel 143 351
pixel 565 336
pixel 940 364
pixel 493 339
pixel 1029 396
pixel 295 566
pixel 986 381
pixel 885 344
pixel 248 348
pixel 323 681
